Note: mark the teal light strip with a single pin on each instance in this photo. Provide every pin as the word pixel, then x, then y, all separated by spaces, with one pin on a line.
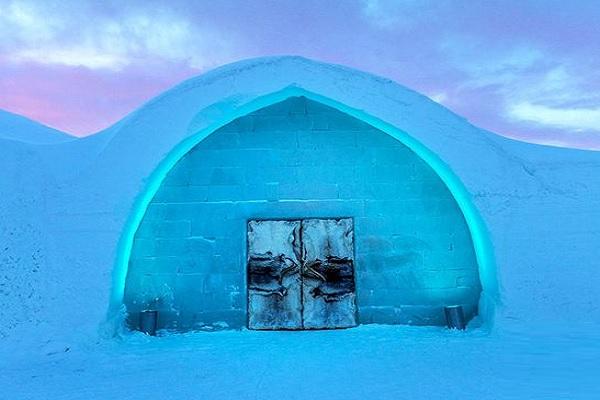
pixel 479 234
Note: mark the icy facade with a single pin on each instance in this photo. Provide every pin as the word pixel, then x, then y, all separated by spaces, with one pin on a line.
pixel 301 159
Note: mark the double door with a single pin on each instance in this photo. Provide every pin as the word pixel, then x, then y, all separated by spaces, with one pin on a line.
pixel 301 274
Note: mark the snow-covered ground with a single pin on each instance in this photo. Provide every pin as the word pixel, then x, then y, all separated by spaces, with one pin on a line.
pixel 368 362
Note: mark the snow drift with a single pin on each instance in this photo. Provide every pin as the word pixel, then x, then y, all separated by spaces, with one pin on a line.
pixel 19 128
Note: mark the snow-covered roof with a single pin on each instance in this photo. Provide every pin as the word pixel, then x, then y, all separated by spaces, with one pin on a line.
pixel 212 99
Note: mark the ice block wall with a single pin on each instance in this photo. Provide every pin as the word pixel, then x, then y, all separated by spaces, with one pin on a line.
pixel 301 159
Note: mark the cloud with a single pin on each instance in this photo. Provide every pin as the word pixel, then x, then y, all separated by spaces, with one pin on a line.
pixel 394 14
pixel 576 119
pixel 558 98
pixel 439 97
pixel 82 35
pixel 487 64
pixel 532 84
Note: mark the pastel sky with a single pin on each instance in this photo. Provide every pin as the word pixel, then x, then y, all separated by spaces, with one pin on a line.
pixel 528 69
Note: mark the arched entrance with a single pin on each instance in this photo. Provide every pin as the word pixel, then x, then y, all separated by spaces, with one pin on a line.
pixel 416 247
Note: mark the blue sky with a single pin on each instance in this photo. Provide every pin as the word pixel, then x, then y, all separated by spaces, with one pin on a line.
pixel 525 69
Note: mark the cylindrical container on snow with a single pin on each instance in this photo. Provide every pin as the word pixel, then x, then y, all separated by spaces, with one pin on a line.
pixel 455 317
pixel 148 322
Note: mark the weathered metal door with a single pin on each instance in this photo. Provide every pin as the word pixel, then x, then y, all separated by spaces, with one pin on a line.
pixel 328 288
pixel 274 281
pixel 301 274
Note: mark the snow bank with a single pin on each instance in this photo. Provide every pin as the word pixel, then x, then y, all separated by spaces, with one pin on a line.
pixel 65 207
pixel 19 128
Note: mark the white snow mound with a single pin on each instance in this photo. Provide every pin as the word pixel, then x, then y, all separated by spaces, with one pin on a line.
pixel 22 129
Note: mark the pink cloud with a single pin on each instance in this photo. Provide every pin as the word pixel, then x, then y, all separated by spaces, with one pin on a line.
pixel 78 100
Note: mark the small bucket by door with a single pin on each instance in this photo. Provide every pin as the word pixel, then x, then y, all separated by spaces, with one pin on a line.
pixel 148 322
pixel 455 317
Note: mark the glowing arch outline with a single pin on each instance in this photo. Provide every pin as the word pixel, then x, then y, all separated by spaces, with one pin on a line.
pixel 489 298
